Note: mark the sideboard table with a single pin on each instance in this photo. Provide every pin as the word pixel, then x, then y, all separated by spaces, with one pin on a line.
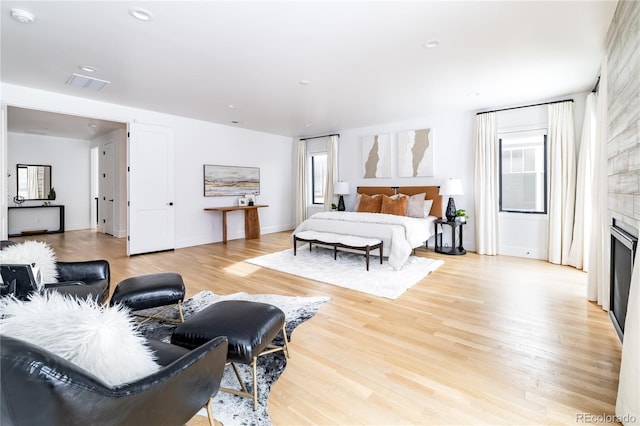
pixel 251 220
pixel 456 233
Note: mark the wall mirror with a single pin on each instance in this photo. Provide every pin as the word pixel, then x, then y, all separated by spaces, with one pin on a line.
pixel 34 181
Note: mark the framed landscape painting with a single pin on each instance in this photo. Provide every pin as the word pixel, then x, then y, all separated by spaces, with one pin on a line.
pixel 415 153
pixel 230 180
pixel 376 156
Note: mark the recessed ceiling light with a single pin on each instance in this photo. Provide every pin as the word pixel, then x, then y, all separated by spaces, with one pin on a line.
pixel 93 125
pixel 304 82
pixel 87 68
pixel 141 14
pixel 431 44
pixel 231 106
pixel 308 125
pixel 22 16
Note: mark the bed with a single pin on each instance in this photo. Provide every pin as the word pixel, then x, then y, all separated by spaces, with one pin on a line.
pixel 399 234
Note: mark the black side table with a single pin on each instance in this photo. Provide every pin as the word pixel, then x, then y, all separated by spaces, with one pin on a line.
pixel 456 229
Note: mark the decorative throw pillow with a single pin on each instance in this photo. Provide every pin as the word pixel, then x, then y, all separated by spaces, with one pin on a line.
pixel 396 206
pixel 102 340
pixel 415 205
pixel 31 252
pixel 427 207
pixel 369 204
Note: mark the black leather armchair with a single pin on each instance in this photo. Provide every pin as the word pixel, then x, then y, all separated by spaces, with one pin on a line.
pixel 40 388
pixel 83 279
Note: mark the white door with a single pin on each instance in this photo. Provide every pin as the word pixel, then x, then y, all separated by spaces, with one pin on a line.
pixel 150 193
pixel 107 189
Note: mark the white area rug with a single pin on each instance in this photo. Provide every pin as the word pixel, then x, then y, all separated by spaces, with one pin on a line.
pixel 349 270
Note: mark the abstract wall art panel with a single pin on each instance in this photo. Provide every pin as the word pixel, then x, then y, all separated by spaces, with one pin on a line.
pixel 376 156
pixel 415 153
pixel 231 180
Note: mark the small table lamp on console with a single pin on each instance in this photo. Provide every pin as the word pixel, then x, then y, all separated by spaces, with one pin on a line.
pixel 451 187
pixel 341 188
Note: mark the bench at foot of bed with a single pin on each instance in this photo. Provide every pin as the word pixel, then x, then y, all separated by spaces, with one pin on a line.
pixel 338 241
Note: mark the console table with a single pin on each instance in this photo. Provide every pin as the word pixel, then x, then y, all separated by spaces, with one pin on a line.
pixel 34 220
pixel 251 220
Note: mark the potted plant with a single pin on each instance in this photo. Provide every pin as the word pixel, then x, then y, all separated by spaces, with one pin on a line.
pixel 52 194
pixel 461 215
pixel 334 207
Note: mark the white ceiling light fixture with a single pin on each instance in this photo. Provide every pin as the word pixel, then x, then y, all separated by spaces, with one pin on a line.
pixel 231 106
pixel 77 80
pixel 141 14
pixel 431 44
pixel 93 125
pixel 22 16
pixel 87 68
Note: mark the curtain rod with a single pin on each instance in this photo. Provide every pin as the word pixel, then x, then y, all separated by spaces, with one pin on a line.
pixel 318 137
pixel 525 106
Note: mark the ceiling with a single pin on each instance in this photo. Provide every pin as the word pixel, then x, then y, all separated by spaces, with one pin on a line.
pixel 300 68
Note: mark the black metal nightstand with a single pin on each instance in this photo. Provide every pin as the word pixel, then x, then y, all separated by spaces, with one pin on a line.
pixel 456 231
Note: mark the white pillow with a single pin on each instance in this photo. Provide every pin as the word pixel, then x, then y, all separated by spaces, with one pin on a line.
pixel 415 205
pixel 31 252
pixel 427 207
pixel 102 340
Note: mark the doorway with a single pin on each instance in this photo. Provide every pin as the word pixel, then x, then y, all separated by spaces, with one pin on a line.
pixel 74 177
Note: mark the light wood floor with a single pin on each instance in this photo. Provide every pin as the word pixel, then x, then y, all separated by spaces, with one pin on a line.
pixel 482 340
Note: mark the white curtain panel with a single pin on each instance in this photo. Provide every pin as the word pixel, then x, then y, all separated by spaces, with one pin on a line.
pixel 301 183
pixel 486 184
pixel 562 181
pixel 579 253
pixel 598 277
pixel 332 171
pixel 33 190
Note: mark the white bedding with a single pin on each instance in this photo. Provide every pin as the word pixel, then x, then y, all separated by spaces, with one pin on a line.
pixel 400 234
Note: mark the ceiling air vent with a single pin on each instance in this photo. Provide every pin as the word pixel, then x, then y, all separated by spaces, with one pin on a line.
pixel 77 80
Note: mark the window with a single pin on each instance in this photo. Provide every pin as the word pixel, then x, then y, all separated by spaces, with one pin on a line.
pixel 523 173
pixel 318 177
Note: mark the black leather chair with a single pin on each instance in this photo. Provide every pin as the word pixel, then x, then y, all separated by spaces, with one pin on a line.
pixel 80 279
pixel 83 279
pixel 40 388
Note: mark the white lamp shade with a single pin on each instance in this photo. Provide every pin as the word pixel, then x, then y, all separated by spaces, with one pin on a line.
pixel 341 188
pixel 451 187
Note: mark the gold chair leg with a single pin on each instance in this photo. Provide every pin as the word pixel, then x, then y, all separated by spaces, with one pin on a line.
pixel 212 421
pixel 255 383
pixel 286 340
pixel 180 311
pixel 254 366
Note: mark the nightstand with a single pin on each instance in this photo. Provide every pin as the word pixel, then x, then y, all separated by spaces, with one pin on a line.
pixel 456 233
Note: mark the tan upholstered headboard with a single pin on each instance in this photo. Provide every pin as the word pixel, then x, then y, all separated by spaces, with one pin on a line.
pixel 432 193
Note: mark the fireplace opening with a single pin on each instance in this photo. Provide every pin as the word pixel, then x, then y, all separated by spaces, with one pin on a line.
pixel 624 243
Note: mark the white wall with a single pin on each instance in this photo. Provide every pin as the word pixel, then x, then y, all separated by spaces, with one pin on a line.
pixel 70 164
pixel 453 157
pixel 196 143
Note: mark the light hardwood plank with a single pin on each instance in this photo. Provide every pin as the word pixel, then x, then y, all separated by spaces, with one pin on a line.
pixel 482 340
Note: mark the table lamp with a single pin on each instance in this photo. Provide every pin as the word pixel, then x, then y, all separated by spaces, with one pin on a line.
pixel 451 187
pixel 341 188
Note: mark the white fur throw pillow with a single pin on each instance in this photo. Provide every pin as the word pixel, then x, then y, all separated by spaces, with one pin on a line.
pixel 31 252
pixel 101 340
